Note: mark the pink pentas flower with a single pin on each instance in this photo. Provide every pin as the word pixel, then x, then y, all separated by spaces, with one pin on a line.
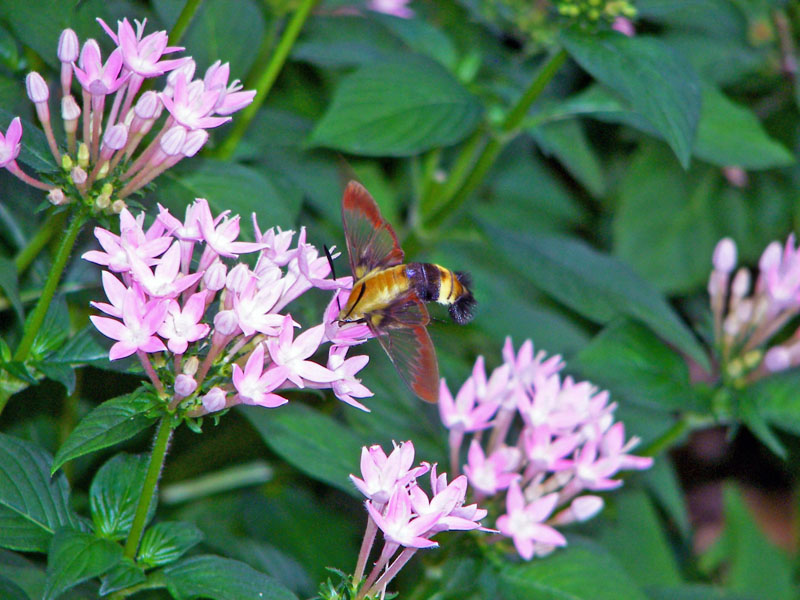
pixel 95 77
pixel 276 244
pixel 165 281
pixel 492 474
pixel 292 354
pixel 544 450
pixel 142 54
pixel 220 234
pixel 524 522
pixel 348 334
pixel 182 325
pixel 191 104
pixel 381 474
pixel 255 385
pixel 592 471
pixel 231 98
pixel 10 143
pixel 462 413
pixel 613 445
pixel 399 523
pixel 396 8
pixel 115 292
pixel 254 309
pixel 780 273
pixel 346 387
pixel 140 322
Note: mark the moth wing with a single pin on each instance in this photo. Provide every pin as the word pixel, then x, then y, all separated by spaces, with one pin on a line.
pixel 371 241
pixel 404 337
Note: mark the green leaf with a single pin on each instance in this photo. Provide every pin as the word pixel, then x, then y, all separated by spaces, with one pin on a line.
pixel 75 557
pixel 753 565
pixel 566 140
pixel 730 134
pixel 751 416
pixel 580 571
pixel 54 329
pixel 659 85
pixel 695 592
pixel 330 455
pixel 11 591
pixel 421 36
pixel 661 481
pixel 631 361
pixel 636 538
pixel 595 285
pixel 112 422
pixel 166 542
pixel 220 578
pixel 777 399
pixel 397 109
pixel 32 505
pixel 10 287
pixel 125 574
pixel 230 186
pixel 114 493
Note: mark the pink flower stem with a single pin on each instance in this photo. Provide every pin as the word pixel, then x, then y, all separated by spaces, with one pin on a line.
pixel 373 575
pixel 366 547
pixel 767 329
pixel 393 570
pixel 14 168
pixel 209 360
pixel 500 430
pixel 132 86
pixel 145 176
pixel 144 157
pixel 456 439
pixel 51 140
pixel 97 121
pixel 87 115
pixel 112 116
pixel 151 372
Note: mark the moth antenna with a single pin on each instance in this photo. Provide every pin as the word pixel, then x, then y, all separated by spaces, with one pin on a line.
pixel 330 260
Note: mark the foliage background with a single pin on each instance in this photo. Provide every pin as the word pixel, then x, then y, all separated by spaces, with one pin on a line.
pixel 591 234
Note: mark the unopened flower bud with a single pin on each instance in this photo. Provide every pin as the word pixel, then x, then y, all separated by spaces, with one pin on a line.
pixel 185 385
pixel 191 365
pixel 56 197
pixel 102 202
pixel 186 69
pixel 107 189
pixel 724 258
pixel 716 284
pixel 116 137
pixel 777 359
pixel 147 105
pixel 117 206
pixel 214 400
pixel 68 46
pixel 752 358
pixel 83 155
pixel 771 257
pixel 624 26
pixel 78 176
pixel 215 276
pixel 226 323
pixel 103 171
pixel 194 141
pixel 36 87
pixel 741 283
pixel 581 509
pixel 66 162
pixel 238 277
pixel 173 140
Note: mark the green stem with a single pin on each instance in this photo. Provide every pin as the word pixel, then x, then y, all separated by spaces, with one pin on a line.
pixel 184 19
pixel 149 489
pixel 458 173
pixel 488 155
pixel 267 78
pixel 53 223
pixel 59 263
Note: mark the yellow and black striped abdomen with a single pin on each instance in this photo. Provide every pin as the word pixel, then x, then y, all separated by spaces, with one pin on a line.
pixel 375 291
pixel 434 283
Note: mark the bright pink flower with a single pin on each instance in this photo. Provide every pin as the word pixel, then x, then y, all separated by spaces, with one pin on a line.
pixel 447 501
pixel 95 77
pixel 132 241
pixel 592 471
pixel 9 143
pixel 166 281
pixel 182 326
pixel 191 105
pixel 292 354
pixel 347 387
pixel 220 233
pixel 231 99
pixel 462 414
pixel 255 385
pixel 492 474
pixel 140 322
pixel 400 526
pixel 382 474
pixel 142 55
pixel 523 522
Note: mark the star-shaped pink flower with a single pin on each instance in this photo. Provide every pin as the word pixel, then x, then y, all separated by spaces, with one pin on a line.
pixel 523 522
pixel 255 385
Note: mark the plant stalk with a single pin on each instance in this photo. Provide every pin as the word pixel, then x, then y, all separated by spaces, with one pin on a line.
pixel 149 489
pixel 53 223
pixel 184 19
pixel 266 79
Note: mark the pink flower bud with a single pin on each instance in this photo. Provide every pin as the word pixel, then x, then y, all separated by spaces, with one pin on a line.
pixel 724 258
pixel 173 140
pixel 624 26
pixel 90 54
pixel 68 46
pixel 56 197
pixel 194 141
pixel 70 110
pixel 116 137
pixel 214 400
pixel 226 322
pixel 36 87
pixel 771 257
pixel 777 359
pixel 741 283
pixel 147 105
pixel 215 276
pixel 736 176
pixel 78 176
pixel 217 75
pixel 238 277
pixel 185 385
pixel 585 507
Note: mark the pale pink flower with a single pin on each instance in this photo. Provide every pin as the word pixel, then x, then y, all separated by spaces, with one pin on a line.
pixel 382 474
pixel 165 281
pixel 182 326
pixel 191 105
pixel 142 54
pixel 140 322
pixel 400 525
pixel 220 234
pixel 214 400
pixel 95 77
pixel 524 523
pixel 10 143
pixel 348 334
pixel 492 474
pixel 231 99
pixel 115 291
pixel 292 354
pixel 396 8
pixel 254 309
pixel 346 387
pixel 463 414
pixel 255 385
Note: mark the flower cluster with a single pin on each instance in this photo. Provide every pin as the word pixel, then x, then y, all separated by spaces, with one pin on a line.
pixel 209 330
pixel 746 317
pixel 406 515
pixel 594 11
pixel 106 125
pixel 550 439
